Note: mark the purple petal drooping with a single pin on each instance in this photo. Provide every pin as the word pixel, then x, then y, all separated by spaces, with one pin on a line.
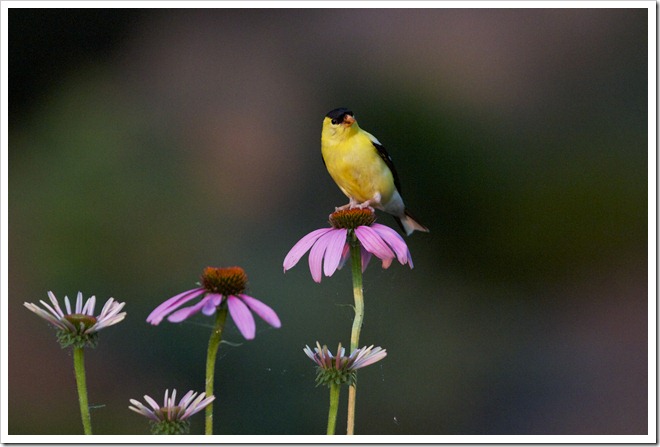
pixel 242 317
pixel 302 246
pixel 336 243
pixel 373 243
pixel 157 315
pixel 266 313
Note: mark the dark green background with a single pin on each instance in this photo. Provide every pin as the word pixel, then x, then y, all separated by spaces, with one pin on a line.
pixel 148 144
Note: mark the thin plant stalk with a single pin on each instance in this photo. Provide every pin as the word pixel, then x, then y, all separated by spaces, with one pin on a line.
pixel 214 344
pixel 334 407
pixel 81 382
pixel 358 295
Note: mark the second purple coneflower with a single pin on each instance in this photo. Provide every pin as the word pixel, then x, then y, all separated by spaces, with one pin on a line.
pixel 222 291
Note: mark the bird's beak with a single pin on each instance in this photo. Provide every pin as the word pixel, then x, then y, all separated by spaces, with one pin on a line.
pixel 348 120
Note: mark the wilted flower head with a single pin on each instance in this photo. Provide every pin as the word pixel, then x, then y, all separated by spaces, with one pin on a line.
pixel 219 286
pixel 78 327
pixel 171 418
pixel 330 246
pixel 339 369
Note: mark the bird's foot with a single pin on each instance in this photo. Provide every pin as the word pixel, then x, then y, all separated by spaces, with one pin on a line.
pixel 345 207
pixel 374 200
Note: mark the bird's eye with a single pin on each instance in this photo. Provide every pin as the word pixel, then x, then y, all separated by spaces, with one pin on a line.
pixel 334 121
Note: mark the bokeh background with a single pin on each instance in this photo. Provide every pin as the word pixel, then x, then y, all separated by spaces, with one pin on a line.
pixel 148 144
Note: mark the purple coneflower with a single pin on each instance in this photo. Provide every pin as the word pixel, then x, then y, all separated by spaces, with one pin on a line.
pixel 78 326
pixel 329 248
pixel 338 369
pixel 219 286
pixel 171 418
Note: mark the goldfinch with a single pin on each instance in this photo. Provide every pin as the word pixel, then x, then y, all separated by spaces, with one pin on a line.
pixel 362 168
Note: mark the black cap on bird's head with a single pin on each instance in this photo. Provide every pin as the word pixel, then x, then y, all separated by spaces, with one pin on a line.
pixel 339 115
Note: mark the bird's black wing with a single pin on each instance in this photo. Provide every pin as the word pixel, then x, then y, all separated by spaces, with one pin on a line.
pixel 388 161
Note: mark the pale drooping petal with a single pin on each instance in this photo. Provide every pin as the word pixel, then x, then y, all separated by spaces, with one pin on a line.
pixel 242 317
pixel 365 257
pixel 214 300
pixel 182 314
pixel 88 308
pixel 367 356
pixel 266 313
pixel 317 253
pixel 56 305
pixel 109 315
pixel 157 315
pixel 140 408
pixel 301 247
pixel 197 405
pixel 373 243
pixel 396 242
pixel 333 253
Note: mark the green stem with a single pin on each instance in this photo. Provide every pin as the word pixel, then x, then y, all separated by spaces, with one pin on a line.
pixel 81 382
pixel 358 295
pixel 334 407
pixel 214 344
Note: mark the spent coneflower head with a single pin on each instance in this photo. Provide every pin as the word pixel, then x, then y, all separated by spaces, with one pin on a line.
pixel 219 287
pixel 339 369
pixel 329 248
pixel 78 326
pixel 171 418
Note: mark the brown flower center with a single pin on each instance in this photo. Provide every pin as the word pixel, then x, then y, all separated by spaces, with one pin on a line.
pixel 162 413
pixel 225 281
pixel 352 218
pixel 77 320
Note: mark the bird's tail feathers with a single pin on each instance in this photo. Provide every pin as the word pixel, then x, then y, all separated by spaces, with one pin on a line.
pixel 409 224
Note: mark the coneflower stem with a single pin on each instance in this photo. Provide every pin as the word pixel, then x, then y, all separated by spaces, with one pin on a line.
pixel 334 407
pixel 214 344
pixel 358 295
pixel 81 382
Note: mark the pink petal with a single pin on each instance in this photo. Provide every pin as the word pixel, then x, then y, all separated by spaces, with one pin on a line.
pixel 395 241
pixel 186 312
pixel 157 315
pixel 67 304
pixel 88 308
pixel 214 300
pixel 333 252
pixel 366 257
pixel 55 304
pixel 373 243
pixel 370 357
pixel 266 313
pixel 242 317
pixel 79 303
pixel 316 255
pixel 152 402
pixel 345 255
pixel 301 247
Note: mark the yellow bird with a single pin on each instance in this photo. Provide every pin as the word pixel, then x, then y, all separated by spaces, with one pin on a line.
pixel 362 168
